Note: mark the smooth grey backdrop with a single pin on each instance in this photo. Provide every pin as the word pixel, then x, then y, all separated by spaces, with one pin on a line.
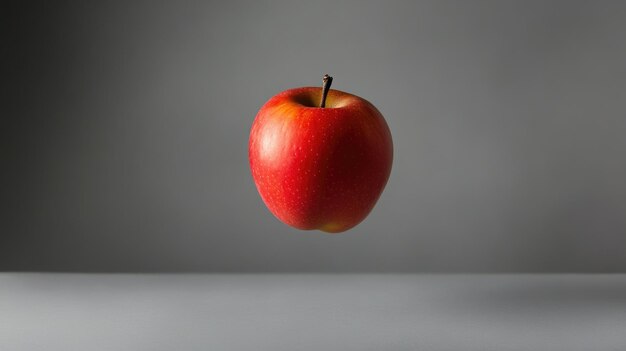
pixel 125 129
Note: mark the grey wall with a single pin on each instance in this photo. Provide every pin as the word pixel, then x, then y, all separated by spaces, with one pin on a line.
pixel 125 129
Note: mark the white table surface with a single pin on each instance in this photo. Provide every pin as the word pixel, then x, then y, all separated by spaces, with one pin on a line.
pixel 312 312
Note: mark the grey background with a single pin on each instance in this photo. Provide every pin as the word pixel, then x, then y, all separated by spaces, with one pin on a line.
pixel 125 129
pixel 305 312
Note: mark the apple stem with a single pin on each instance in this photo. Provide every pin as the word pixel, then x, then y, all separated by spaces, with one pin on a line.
pixel 326 82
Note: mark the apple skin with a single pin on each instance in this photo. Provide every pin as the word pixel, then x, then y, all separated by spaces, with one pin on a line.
pixel 320 168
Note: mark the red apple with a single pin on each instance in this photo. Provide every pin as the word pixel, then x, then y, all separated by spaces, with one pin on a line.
pixel 320 167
